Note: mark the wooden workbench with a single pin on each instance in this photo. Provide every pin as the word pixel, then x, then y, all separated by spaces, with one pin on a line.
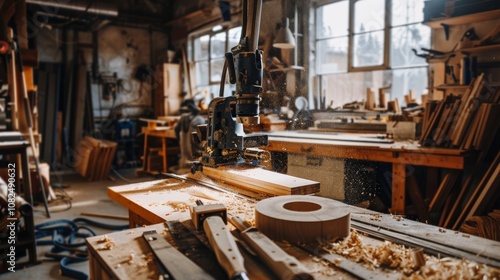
pixel 153 203
pixel 369 148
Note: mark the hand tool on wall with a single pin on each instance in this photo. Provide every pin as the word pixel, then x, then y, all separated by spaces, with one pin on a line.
pixel 212 219
pixel 283 265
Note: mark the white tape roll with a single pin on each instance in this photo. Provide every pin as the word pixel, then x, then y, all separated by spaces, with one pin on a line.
pixel 302 218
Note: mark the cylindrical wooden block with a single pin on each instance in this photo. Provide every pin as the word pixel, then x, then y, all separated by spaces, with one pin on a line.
pixel 302 218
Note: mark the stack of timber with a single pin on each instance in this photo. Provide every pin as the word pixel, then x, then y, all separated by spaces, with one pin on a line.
pixel 260 180
pixel 470 123
pixel 94 158
pixel 449 123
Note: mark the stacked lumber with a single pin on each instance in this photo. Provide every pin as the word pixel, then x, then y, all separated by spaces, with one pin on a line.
pixel 447 122
pixel 467 122
pixel 260 180
pixel 94 158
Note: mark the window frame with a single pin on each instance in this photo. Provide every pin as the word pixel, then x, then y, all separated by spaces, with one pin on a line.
pixel 387 39
pixel 192 50
pixel 320 72
pixel 350 37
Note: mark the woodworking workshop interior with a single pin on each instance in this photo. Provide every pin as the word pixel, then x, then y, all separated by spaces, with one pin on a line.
pixel 249 139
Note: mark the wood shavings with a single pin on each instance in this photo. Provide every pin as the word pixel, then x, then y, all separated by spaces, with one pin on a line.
pixel 394 256
pixel 375 217
pixel 105 238
pixel 131 258
pixel 178 205
pixel 198 193
pixel 398 217
pixel 109 243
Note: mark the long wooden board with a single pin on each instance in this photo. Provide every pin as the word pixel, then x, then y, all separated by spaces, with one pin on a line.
pixel 262 181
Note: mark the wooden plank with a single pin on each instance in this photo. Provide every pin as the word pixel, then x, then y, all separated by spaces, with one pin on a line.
pixel 109 161
pixel 464 19
pixel 261 180
pixel 469 109
pixel 485 186
pixel 443 191
pixel 444 137
pixel 488 127
pixel 473 132
pixel 488 195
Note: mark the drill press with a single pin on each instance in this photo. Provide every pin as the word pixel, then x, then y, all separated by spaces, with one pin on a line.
pixel 223 138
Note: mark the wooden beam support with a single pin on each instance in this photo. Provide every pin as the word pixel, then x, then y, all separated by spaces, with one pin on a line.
pixel 398 188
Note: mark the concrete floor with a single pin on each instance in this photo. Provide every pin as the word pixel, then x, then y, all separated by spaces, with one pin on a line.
pixel 85 197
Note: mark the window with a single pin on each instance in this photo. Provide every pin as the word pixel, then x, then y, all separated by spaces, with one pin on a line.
pixel 363 44
pixel 207 51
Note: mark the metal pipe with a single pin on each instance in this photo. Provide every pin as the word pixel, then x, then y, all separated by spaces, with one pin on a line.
pixel 253 25
pixel 93 7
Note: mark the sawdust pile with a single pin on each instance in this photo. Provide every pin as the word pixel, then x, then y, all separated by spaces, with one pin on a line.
pixel 394 256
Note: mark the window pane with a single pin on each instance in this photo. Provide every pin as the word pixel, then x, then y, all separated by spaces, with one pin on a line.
pixel 407 11
pixel 218 45
pixel 405 80
pixel 202 73
pixel 348 87
pixel 332 20
pixel 369 15
pixel 332 55
pixel 406 38
pixel 234 35
pixel 216 69
pixel 201 47
pixel 368 49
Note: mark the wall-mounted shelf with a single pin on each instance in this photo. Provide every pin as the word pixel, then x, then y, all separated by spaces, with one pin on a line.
pixel 477 17
pixel 446 87
pixel 480 49
pixel 468 51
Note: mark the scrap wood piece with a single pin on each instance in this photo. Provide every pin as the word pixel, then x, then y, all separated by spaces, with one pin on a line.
pixel 261 180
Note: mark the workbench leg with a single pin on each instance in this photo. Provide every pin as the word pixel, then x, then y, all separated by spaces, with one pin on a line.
pixel 145 155
pixel 398 188
pixel 164 149
pixel 132 219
